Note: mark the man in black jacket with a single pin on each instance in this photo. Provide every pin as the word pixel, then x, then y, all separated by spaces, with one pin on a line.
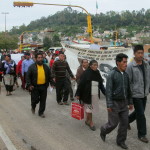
pixel 118 97
pixel 38 78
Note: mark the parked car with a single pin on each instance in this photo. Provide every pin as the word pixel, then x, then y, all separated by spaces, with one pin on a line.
pixel 54 49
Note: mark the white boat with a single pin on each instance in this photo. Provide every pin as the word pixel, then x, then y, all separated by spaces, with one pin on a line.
pixel 105 58
pixel 78 43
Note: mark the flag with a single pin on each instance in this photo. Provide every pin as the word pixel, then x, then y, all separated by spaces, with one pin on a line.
pixel 96 5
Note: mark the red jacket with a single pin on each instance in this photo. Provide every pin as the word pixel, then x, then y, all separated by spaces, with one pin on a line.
pixel 51 63
pixel 19 67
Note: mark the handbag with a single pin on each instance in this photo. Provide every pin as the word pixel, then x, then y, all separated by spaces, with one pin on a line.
pixel 77 111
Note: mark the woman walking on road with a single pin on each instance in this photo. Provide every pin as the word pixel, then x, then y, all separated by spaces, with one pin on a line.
pixel 84 65
pixel 88 91
pixel 19 71
pixel 9 69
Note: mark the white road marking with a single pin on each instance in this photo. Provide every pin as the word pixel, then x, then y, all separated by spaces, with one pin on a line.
pixel 6 140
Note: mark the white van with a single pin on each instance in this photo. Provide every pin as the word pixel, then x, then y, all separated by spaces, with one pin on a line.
pixel 53 49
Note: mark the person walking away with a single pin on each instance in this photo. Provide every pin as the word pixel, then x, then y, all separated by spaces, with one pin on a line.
pixel 9 69
pixel 84 65
pixel 25 65
pixel 38 79
pixel 118 97
pixel 59 75
pixel 139 73
pixel 88 91
pixel 19 71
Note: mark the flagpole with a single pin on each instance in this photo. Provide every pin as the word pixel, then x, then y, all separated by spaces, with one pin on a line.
pixel 96 7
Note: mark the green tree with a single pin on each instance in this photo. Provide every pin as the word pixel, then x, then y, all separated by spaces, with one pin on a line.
pixel 70 21
pixel 56 40
pixel 8 41
pixel 47 43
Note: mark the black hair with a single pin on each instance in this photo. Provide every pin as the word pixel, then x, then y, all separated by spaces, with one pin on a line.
pixel 60 52
pixel 65 56
pixel 83 61
pixel 120 57
pixel 8 55
pixel 92 62
pixel 28 54
pixel 138 47
pixel 37 54
pixel 54 55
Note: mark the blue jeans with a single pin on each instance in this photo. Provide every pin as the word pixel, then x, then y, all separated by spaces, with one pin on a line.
pixel 139 116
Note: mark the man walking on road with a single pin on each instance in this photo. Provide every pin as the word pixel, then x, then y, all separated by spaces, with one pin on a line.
pixel 59 70
pixel 118 97
pixel 38 78
pixel 139 74
pixel 25 65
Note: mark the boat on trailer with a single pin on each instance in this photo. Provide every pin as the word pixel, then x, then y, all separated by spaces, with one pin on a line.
pixel 105 56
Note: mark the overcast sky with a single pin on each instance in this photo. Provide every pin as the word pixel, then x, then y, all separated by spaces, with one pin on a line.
pixel 18 16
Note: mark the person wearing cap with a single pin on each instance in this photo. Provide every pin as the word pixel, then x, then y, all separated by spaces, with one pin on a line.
pixel 25 65
pixel 9 69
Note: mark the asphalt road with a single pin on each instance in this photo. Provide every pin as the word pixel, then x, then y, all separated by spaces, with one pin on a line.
pixel 58 131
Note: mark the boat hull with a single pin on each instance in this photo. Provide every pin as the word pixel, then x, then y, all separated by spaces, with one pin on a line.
pixel 105 58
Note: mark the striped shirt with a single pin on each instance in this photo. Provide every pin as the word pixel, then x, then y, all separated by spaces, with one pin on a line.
pixel 59 69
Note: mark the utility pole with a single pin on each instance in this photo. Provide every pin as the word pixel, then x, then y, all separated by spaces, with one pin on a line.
pixel 5 13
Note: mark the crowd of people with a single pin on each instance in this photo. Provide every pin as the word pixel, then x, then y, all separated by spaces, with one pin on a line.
pixel 127 87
